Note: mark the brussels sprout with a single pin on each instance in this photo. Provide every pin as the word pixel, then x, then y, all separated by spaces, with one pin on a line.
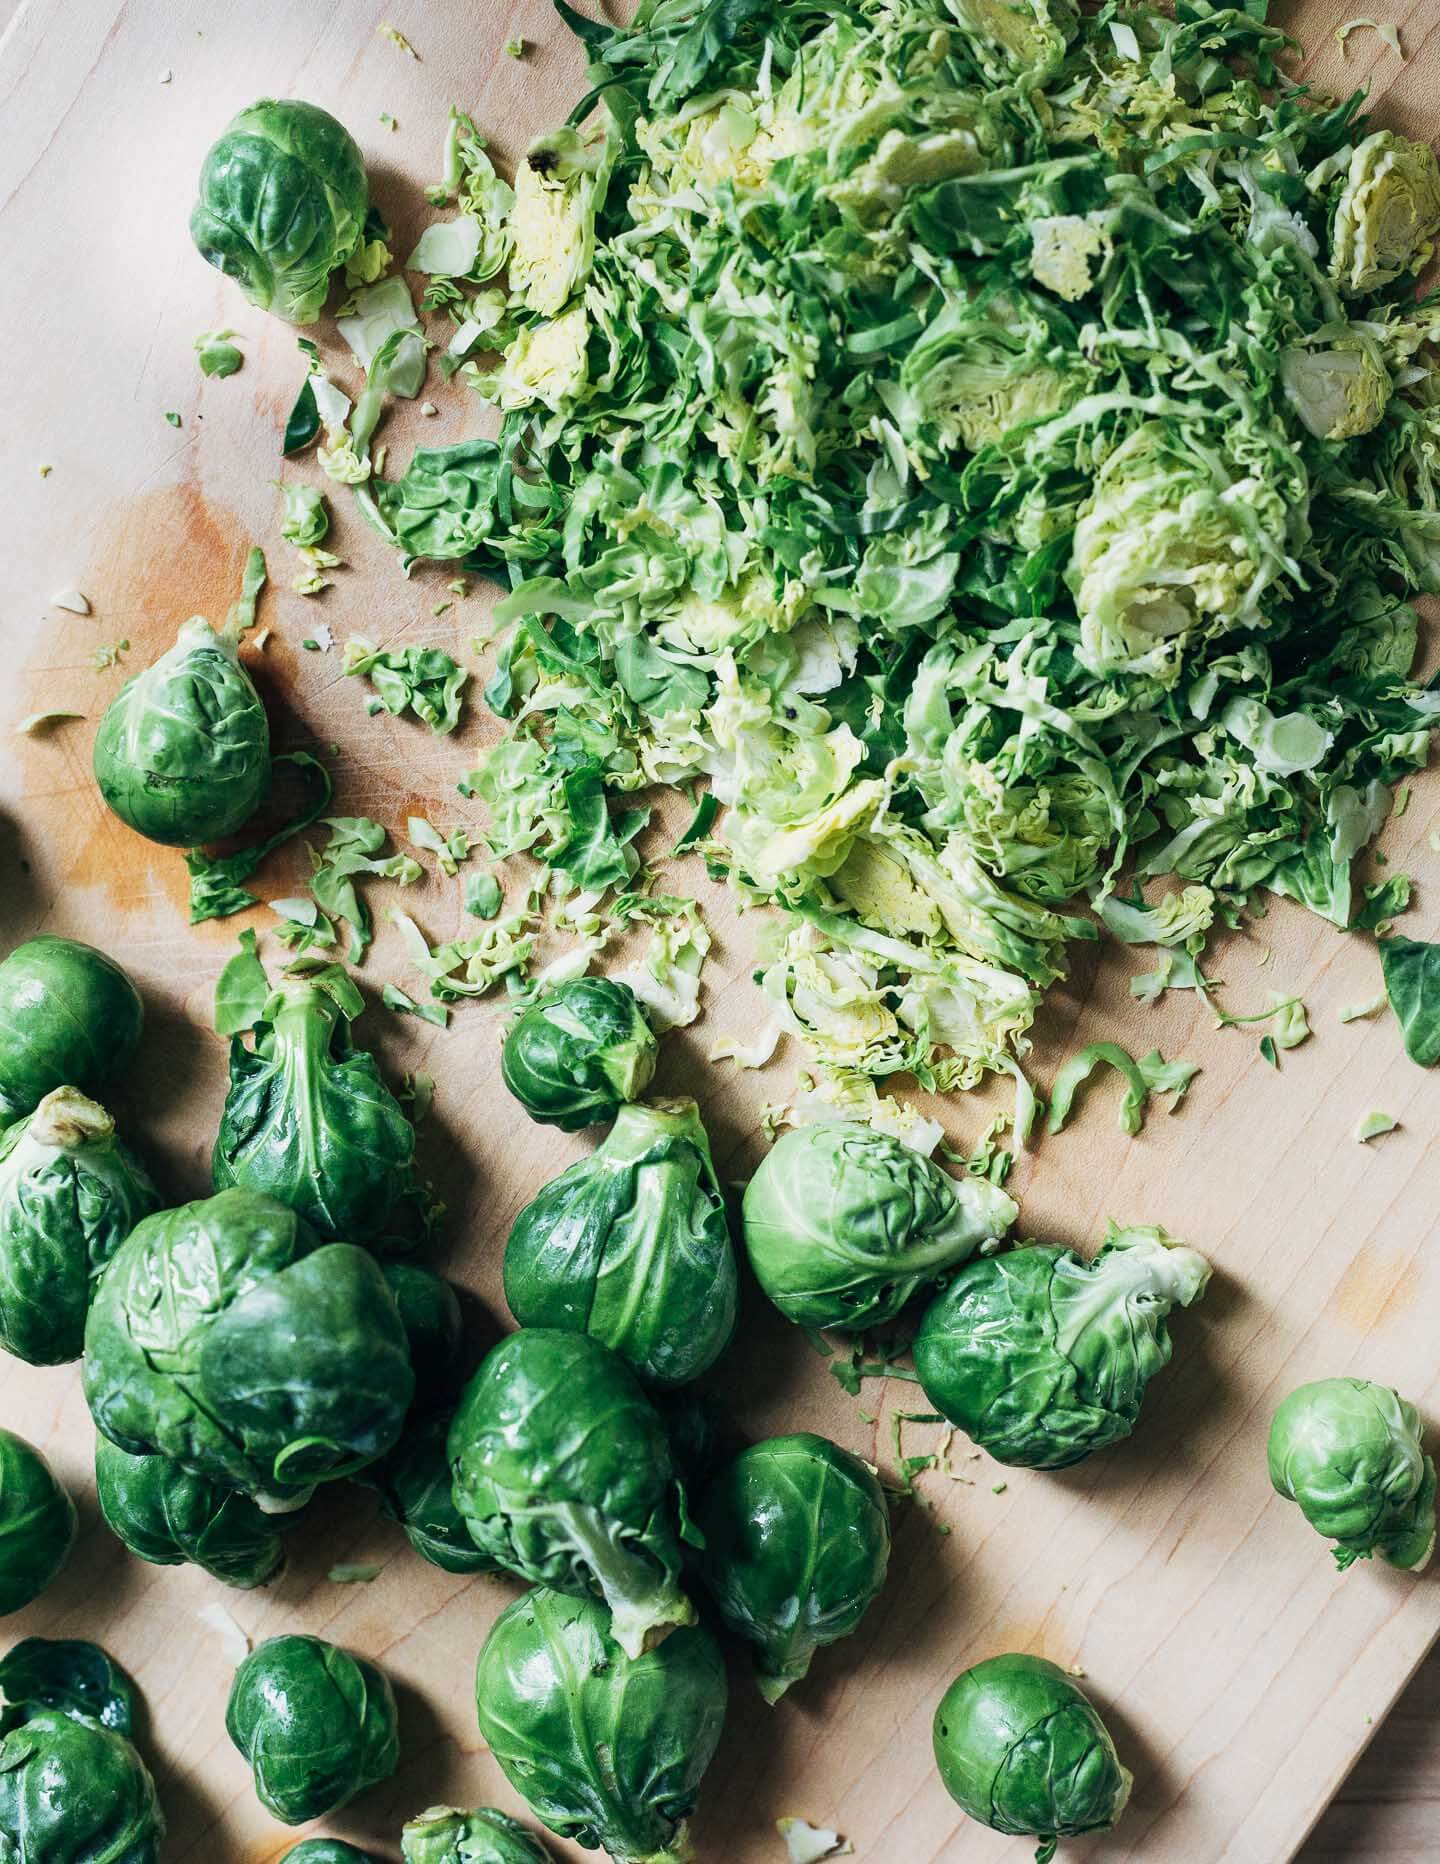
pixel 415 1488
pixel 608 1748
pixel 283 199
pixel 315 1723
pixel 844 1225
pixel 167 1516
pixel 445 1835
pixel 632 1245
pixel 1349 1453
pixel 38 1523
pixel 429 1312
pixel 75 1792
pixel 1041 1357
pixel 326 1851
pixel 72 1677
pixel 69 1017
pixel 309 1120
pixel 1387 215
pixel 579 1054
pixel 227 1337
pixel 797 1539
pixel 1021 1750
pixel 562 1473
pixel 70 1193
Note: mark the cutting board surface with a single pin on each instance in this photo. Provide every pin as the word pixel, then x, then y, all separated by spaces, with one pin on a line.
pixel 1238 1673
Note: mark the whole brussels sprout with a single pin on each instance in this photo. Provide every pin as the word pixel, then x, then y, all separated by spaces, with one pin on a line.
pixel 38 1523
pixel 74 1792
pixel 316 1724
pixel 227 1337
pixel 1349 1453
pixel 70 1193
pixel 797 1540
pixel 1021 1750
pixel 69 1017
pixel 309 1120
pixel 1042 1358
pixel 562 1473
pixel 608 1748
pixel 165 1515
pixel 283 199
pixel 579 1054
pixel 183 751
pixel 71 1676
pixel 429 1310
pixel 445 1835
pixel 632 1245
pixel 844 1225
pixel 1387 215
pixel 326 1851
pixel 416 1491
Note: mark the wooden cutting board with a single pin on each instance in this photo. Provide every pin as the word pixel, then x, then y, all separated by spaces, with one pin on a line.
pixel 1240 1675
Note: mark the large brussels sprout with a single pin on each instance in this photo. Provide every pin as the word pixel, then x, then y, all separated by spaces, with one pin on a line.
pixel 70 1193
pixel 309 1120
pixel 183 750
pixel 326 1851
pixel 445 1835
pixel 316 1724
pixel 608 1748
pixel 1349 1453
pixel 73 1791
pixel 1021 1750
pixel 69 1017
pixel 844 1225
pixel 1387 214
pixel 282 203
pixel 38 1523
pixel 165 1515
pixel 69 1675
pixel 226 1336
pixel 416 1491
pixel 632 1245
pixel 579 1054
pixel 562 1472
pixel 797 1539
pixel 1041 1357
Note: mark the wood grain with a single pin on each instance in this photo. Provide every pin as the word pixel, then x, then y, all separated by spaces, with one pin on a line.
pixel 1241 1676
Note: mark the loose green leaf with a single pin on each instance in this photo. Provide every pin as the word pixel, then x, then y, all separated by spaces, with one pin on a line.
pixel 1411 969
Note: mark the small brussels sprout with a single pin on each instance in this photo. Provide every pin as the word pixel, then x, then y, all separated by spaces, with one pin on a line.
pixel 183 751
pixel 608 1748
pixel 73 1791
pixel 38 1523
pixel 1041 1357
pixel 445 1835
pixel 429 1311
pixel 416 1491
pixel 562 1473
pixel 69 1017
pixel 70 1193
pixel 1387 214
pixel 165 1515
pixel 702 1434
pixel 1349 1453
pixel 309 1120
pixel 326 1851
pixel 283 199
pixel 579 1054
pixel 1021 1750
pixel 797 1540
pixel 226 1336
pixel 844 1225
pixel 632 1245
pixel 71 1676
pixel 316 1724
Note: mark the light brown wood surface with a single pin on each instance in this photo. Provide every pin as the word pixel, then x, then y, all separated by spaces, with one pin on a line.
pixel 1240 1675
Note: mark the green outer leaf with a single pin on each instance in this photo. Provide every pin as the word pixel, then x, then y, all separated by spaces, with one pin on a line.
pixel 70 1675
pixel 1411 969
